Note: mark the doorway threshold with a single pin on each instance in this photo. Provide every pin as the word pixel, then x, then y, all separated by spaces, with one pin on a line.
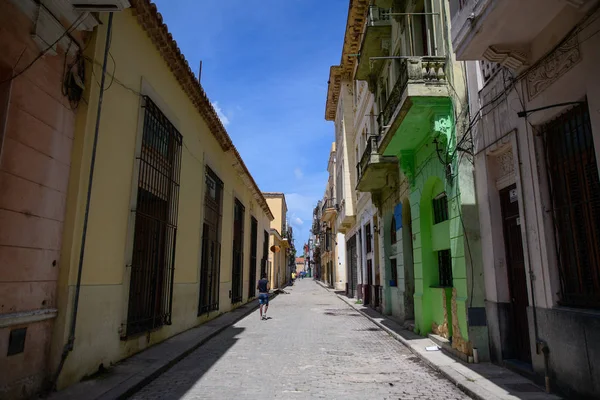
pixel 521 367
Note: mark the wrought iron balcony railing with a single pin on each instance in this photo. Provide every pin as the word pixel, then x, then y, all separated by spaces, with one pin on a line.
pixel 328 204
pixel 372 142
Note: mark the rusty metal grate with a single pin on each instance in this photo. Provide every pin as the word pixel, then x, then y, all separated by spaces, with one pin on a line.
pixel 152 268
pixel 575 192
pixel 253 256
pixel 445 268
pixel 211 244
pixel 238 252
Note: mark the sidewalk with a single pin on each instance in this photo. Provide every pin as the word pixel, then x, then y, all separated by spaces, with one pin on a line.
pixel 483 381
pixel 133 373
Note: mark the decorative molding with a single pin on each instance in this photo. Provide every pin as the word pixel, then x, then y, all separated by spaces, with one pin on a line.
pixel 510 58
pixel 505 164
pixel 27 317
pixel 553 67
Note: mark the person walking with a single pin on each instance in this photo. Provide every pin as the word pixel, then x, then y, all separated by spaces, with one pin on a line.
pixel 263 287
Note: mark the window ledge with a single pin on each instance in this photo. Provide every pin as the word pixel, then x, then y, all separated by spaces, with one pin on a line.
pixel 27 317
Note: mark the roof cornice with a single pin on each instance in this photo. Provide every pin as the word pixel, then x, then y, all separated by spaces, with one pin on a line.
pixel 357 15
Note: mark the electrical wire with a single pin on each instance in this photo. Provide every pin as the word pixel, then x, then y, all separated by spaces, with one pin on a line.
pixel 73 26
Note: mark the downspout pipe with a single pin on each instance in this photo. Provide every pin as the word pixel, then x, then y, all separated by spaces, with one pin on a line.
pixel 71 341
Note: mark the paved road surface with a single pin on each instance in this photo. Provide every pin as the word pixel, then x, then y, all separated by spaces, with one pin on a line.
pixel 313 346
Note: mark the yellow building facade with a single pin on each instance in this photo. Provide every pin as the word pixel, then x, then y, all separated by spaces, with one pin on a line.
pixel 175 217
pixel 277 273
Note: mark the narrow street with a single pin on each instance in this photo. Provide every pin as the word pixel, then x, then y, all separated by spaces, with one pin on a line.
pixel 312 346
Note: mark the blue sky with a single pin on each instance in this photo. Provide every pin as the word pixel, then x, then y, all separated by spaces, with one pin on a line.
pixel 265 68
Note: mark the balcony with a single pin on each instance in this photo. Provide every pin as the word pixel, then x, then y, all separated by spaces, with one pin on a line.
pixel 480 29
pixel 374 168
pixel 419 92
pixel 376 40
pixel 329 209
pixel 345 216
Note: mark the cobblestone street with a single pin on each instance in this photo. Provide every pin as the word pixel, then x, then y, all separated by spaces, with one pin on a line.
pixel 312 346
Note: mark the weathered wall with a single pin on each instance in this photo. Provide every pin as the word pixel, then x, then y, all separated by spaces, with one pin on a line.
pixel 36 135
pixel 509 151
pixel 104 282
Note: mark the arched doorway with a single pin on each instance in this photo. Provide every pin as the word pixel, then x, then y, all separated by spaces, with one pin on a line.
pixel 434 287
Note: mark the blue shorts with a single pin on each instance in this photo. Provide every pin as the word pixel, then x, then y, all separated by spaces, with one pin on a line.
pixel 263 298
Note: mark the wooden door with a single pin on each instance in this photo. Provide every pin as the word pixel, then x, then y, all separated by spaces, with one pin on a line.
pixel 517 278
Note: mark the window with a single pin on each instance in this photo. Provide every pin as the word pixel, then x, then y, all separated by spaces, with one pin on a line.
pixel 238 252
pixel 368 238
pixel 153 258
pixel 265 257
pixel 253 256
pixel 5 74
pixel 211 244
pixel 393 230
pixel 394 272
pixel 440 208
pixel 445 268
pixel 575 192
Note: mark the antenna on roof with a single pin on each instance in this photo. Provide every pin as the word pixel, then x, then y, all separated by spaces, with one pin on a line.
pixel 200 71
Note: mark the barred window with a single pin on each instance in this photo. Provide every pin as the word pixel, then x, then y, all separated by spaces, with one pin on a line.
pixel 440 208
pixel 368 238
pixel 211 244
pixel 394 272
pixel 238 252
pixel 445 268
pixel 575 193
pixel 253 257
pixel 152 267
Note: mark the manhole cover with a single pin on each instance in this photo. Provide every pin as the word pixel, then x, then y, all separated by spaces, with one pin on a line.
pixel 522 387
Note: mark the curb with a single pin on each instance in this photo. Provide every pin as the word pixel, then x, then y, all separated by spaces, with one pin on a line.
pixel 141 377
pixel 468 388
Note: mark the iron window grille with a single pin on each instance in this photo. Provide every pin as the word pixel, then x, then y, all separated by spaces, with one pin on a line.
pixel 445 268
pixel 368 238
pixel 394 272
pixel 575 193
pixel 238 252
pixel 253 257
pixel 265 257
pixel 153 259
pixel 211 244
pixel 440 208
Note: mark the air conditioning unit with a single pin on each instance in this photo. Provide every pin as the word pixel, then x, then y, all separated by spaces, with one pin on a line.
pixel 100 5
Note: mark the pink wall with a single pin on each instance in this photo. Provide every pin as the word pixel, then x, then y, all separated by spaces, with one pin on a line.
pixel 35 152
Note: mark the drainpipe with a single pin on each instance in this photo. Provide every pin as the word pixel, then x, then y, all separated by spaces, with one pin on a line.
pixel 69 345
pixel 540 345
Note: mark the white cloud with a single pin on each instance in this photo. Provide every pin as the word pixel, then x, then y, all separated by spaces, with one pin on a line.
pixel 298 221
pixel 220 113
pixel 298 173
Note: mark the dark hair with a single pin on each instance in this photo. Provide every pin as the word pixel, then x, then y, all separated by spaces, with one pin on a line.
pixel 264 276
